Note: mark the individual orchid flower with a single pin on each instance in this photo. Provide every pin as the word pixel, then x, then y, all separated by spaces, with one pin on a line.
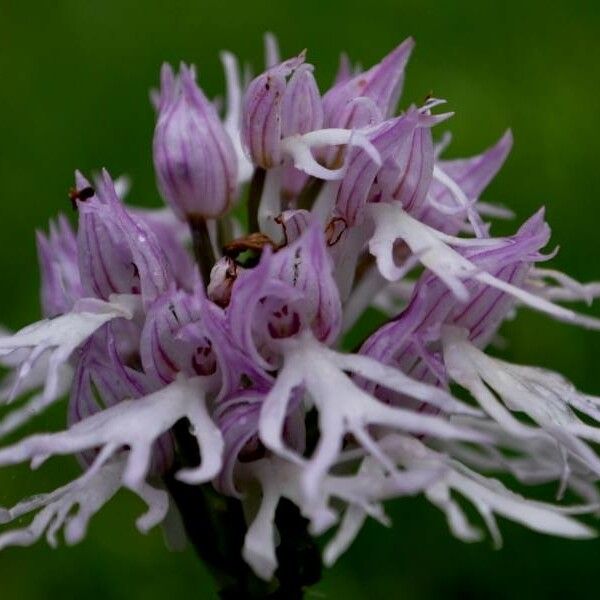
pixel 434 250
pixel 118 254
pixel 451 205
pixel 406 151
pixel 409 340
pixel 289 292
pixel 275 108
pixel 431 303
pixel 283 119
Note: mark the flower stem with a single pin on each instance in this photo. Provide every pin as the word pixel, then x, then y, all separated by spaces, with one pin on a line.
pixel 215 526
pixel 254 195
pixel 202 246
pixel 309 193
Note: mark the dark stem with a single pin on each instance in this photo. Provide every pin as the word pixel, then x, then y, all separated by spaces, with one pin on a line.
pixel 202 246
pixel 254 195
pixel 215 526
pixel 309 193
pixel 224 231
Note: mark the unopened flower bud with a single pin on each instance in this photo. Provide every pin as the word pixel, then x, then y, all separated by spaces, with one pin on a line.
pixel 194 158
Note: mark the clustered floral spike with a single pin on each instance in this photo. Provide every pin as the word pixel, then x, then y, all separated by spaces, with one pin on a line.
pixel 346 199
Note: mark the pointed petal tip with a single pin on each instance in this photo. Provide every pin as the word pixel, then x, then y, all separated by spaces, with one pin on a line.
pixel 402 51
pixel 508 137
pixel 81 181
pixel 41 239
pixel 226 56
pixel 166 70
pixel 187 74
pixel 503 146
pixel 167 79
pixel 408 45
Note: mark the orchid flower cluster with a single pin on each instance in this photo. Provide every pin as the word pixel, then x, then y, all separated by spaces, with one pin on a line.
pixel 348 206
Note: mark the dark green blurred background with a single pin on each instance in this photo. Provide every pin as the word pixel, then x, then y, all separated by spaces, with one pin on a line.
pixel 74 84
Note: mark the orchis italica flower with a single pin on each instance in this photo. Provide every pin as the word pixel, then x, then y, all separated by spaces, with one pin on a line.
pixel 282 102
pixel 204 388
pixel 194 156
